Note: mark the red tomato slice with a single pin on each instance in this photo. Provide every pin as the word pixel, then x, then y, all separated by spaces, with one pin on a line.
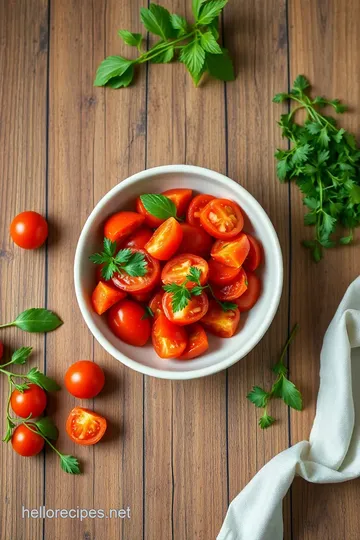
pixel 222 218
pixel 104 296
pixel 150 220
pixel 232 290
pixel 233 252
pixel 156 303
pixel 85 427
pixel 127 322
pixel 221 323
pixel 221 274
pixel 139 284
pixel 251 296
pixel 169 339
pixel 193 312
pixel 120 225
pixel 176 270
pixel 254 257
pixel 166 240
pixel 195 240
pixel 197 342
pixel 138 239
pixel 195 208
pixel 142 297
pixel 180 197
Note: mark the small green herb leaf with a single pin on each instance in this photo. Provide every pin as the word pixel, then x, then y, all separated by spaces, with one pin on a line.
pixel 220 66
pixel 287 391
pixel 266 421
pixel 21 355
pixel 258 396
pixel 112 66
pixel 158 205
pixel 156 19
pixel 193 56
pixel 180 24
pixel 47 428
pixel 35 376
pixel 134 40
pixel 227 306
pixel 346 239
pixel 196 5
pixel 209 43
pixel 131 262
pixel 163 56
pixel 122 81
pixel 69 464
pixel 37 320
pixel 210 10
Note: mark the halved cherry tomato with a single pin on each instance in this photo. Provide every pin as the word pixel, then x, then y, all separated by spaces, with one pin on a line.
pixel 166 240
pixel 196 308
pixel 84 379
pixel 169 339
pixel 120 225
pixel 221 274
pixel 85 427
pixel 176 270
pixel 127 321
pixel 26 442
pixel 29 230
pixel 104 296
pixel 232 290
pixel 139 284
pixel 254 256
pixel 251 296
pixel 29 402
pixel 197 342
pixel 195 240
pixel 221 323
pixel 142 296
pixel 195 208
pixel 231 252
pixel 156 303
pixel 150 220
pixel 180 197
pixel 138 239
pixel 222 218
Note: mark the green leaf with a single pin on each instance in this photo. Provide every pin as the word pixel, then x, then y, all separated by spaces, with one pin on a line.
pixel 158 205
pixel 355 194
pixel 280 98
pixel 287 391
pixel 163 56
pixel 323 156
pixel 301 154
pixel 282 169
pixel 196 5
pixel 344 240
pixel 310 219
pixel 194 275
pixel 47 428
pixel 339 135
pixel 193 56
pixel 301 83
pixel 21 387
pixel 180 24
pixel 37 320
pixel 313 127
pixel 112 66
pixel 311 203
pixel 324 138
pixel 258 396
pixel 266 421
pixel 220 66
pixel 134 40
pixel 149 314
pixel 156 19
pixel 280 368
pixel 69 464
pixel 35 376
pixel 21 355
pixel 109 247
pixel 214 28
pixel 136 266
pixel 316 253
pixel 209 43
pixel 122 81
pixel 123 256
pixel 328 223
pixel 210 10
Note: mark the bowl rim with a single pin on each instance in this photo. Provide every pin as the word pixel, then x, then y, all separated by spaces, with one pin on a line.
pixel 163 373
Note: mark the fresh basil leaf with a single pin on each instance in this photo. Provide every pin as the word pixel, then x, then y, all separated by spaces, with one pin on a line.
pixel 210 10
pixel 21 355
pixel 193 56
pixel 156 20
pixel 180 24
pixel 112 66
pixel 37 320
pixel 122 81
pixel 35 376
pixel 209 43
pixel 69 464
pixel 134 40
pixel 47 428
pixel 158 205
pixel 220 66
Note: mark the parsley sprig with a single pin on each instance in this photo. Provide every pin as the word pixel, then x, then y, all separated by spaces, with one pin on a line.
pixel 131 262
pixel 282 388
pixel 195 45
pixel 324 160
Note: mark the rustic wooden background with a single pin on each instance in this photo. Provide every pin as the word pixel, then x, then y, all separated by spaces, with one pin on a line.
pixel 178 452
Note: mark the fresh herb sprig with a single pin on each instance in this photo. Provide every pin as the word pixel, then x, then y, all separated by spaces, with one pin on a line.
pixel 159 205
pixel 324 160
pixel 130 262
pixel 282 388
pixel 195 45
pixel 36 320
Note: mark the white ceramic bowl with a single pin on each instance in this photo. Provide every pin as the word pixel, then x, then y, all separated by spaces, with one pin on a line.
pixel 222 353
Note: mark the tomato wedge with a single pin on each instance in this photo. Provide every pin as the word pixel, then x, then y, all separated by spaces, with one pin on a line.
pixel 195 207
pixel 169 339
pixel 85 427
pixel 233 252
pixel 222 218
pixel 138 239
pixel 176 270
pixel 139 284
pixel 120 225
pixel 104 296
pixel 197 342
pixel 195 240
pixel 193 312
pixel 254 256
pixel 221 323
pixel 127 321
pixel 150 220
pixel 232 290
pixel 156 303
pixel 165 240
pixel 221 274
pixel 180 197
pixel 251 296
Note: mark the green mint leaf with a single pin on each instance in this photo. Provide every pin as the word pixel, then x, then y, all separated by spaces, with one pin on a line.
pixel 344 240
pixel 136 266
pixel 180 24
pixel 258 396
pixel 35 376
pixel 301 83
pixel 220 66
pixel 210 10
pixel 214 28
pixel 158 205
pixel 164 56
pixel 266 421
pixel 69 464
pixel 47 428
pixel 156 20
pixel 287 391
pixel 134 40
pixel 112 66
pixel 37 320
pixel 21 355
pixel 193 56
pixel 122 81
pixel 196 5
pixel 209 43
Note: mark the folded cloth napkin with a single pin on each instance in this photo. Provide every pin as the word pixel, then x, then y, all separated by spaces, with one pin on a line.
pixel 333 452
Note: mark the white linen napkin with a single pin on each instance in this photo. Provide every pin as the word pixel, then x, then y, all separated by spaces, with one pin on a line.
pixel 333 452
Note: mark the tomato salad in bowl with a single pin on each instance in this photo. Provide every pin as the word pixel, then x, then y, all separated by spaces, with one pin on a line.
pixel 179 271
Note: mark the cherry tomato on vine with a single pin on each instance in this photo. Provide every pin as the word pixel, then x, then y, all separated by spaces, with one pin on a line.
pixel 84 379
pixel 121 225
pixel 166 240
pixel 222 218
pixel 29 230
pixel 30 402
pixel 85 427
pixel 195 208
pixel 196 308
pixel 26 442
pixel 140 284
pixel 197 342
pixel 127 321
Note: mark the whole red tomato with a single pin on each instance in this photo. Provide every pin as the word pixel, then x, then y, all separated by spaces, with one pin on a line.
pixel 30 402
pixel 29 230
pixel 127 321
pixel 84 379
pixel 26 442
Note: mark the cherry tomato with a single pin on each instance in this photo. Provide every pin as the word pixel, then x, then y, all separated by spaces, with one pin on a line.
pixel 222 218
pixel 176 270
pixel 166 240
pixel 251 296
pixel 122 224
pixel 150 220
pixel 232 290
pixel 139 238
pixel 254 256
pixel 233 252
pixel 221 323
pixel 193 312
pixel 169 339
pixel 84 379
pixel 1 349
pixel 104 296
pixel 140 284
pixel 30 402
pixel 197 342
pixel 195 240
pixel 156 303
pixel 126 321
pixel 25 442
pixel 142 297
pixel 221 274
pixel 195 208
pixel 85 427
pixel 29 230
pixel 180 197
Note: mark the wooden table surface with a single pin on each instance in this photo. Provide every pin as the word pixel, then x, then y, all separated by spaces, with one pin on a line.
pixel 177 452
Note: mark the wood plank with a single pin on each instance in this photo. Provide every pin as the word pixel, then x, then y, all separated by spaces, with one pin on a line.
pixel 23 57
pixel 255 33
pixel 325 46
